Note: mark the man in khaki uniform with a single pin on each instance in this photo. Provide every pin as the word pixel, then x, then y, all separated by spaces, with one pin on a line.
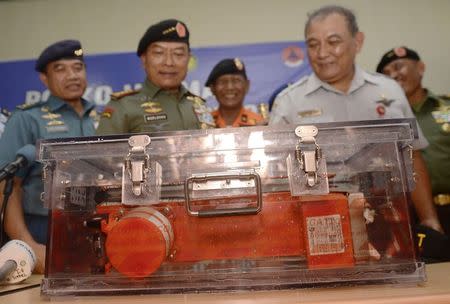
pixel 163 103
pixel 433 115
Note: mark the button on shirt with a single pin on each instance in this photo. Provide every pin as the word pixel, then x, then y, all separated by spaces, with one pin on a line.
pixel 44 120
pixel 370 97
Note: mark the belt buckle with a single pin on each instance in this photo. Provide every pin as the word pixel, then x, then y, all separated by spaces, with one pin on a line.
pixel 442 199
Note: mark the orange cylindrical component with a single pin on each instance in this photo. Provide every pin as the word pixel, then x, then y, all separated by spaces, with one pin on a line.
pixel 139 242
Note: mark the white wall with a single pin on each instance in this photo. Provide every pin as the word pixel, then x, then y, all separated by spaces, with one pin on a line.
pixel 105 26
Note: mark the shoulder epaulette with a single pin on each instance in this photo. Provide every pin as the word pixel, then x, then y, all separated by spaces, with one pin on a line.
pixel 121 94
pixel 291 86
pixel 26 106
pixel 195 98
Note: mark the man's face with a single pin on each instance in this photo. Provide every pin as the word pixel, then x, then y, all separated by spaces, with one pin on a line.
pixel 166 64
pixel 407 72
pixel 230 90
pixel 332 49
pixel 66 79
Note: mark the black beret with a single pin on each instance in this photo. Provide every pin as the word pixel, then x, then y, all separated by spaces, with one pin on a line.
pixel 226 66
pixel 394 54
pixel 65 49
pixel 167 30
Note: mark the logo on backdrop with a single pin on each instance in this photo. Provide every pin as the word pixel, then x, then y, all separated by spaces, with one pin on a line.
pixel 293 56
pixel 269 65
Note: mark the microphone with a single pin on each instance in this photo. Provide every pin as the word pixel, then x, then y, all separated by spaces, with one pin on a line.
pixel 17 261
pixel 24 156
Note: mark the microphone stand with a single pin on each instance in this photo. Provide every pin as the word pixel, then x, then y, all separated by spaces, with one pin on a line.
pixel 9 183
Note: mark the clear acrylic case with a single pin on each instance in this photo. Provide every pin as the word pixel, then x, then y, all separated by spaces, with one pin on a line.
pixel 230 209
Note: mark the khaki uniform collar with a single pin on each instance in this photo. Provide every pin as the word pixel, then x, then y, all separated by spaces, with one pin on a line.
pixel 151 90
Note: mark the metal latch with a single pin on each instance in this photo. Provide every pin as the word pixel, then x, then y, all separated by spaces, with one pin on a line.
pixel 308 152
pixel 137 162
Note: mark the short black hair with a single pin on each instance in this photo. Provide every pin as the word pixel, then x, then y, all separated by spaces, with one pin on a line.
pixel 327 10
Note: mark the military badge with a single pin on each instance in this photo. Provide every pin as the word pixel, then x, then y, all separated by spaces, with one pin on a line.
pixel 45 109
pixel 244 118
pixel 55 123
pixel 381 110
pixel 152 107
pixel 107 112
pixel 442 115
pixel 386 102
pixel 51 116
pixel 446 127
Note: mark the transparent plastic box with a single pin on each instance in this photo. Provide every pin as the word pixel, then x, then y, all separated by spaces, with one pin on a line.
pixel 230 209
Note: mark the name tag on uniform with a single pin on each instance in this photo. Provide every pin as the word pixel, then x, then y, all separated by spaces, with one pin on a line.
pixel 156 117
pixel 310 113
pixel 56 129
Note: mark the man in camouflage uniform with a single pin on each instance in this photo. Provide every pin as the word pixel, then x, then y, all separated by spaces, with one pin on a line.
pixel 163 103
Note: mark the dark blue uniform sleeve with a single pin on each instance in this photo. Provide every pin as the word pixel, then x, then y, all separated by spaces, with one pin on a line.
pixel 19 131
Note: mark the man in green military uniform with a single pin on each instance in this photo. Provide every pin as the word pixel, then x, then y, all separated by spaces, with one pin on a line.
pixel 65 114
pixel 433 115
pixel 163 103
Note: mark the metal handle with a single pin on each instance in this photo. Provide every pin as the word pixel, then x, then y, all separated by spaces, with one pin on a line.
pixel 229 211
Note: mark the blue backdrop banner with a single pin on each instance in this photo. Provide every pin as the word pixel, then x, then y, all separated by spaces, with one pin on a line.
pixel 269 66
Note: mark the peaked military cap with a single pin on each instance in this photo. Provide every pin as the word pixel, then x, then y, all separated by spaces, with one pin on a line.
pixel 396 53
pixel 167 30
pixel 65 49
pixel 226 66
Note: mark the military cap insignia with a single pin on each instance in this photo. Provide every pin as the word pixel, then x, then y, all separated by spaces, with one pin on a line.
pixel 107 112
pixel 238 63
pixel 400 51
pixel 121 94
pixel 78 52
pixel 181 30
